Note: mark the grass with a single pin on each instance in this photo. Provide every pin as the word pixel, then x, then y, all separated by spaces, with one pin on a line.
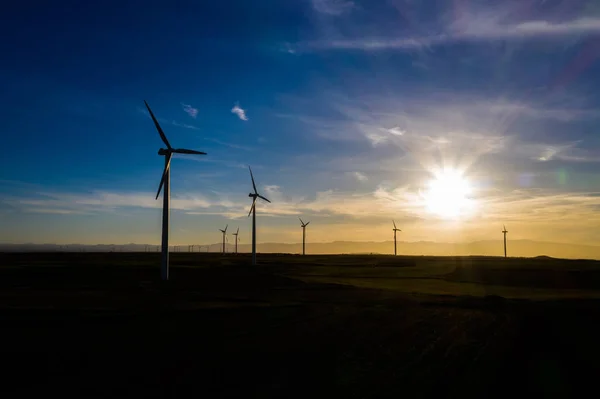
pixel 346 326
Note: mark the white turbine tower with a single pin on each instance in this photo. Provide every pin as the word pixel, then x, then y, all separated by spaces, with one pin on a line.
pixel 303 225
pixel 165 181
pixel 254 196
pixel 224 235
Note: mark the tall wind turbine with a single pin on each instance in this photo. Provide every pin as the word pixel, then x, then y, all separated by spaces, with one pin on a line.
pixel 224 234
pixel 504 232
pixel 254 196
pixel 236 238
pixel 395 230
pixel 165 181
pixel 303 225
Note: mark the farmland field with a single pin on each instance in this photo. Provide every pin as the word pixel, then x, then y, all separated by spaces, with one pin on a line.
pixel 103 324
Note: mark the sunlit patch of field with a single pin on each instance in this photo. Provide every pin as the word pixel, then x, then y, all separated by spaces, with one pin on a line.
pixel 519 278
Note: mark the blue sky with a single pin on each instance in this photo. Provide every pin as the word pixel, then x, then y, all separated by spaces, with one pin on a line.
pixel 345 110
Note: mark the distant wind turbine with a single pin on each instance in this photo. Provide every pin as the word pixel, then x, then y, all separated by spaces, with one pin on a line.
pixel 303 225
pixel 224 234
pixel 504 232
pixel 395 230
pixel 236 238
pixel 254 196
pixel 165 181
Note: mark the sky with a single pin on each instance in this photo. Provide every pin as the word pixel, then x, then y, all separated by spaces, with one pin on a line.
pixel 452 118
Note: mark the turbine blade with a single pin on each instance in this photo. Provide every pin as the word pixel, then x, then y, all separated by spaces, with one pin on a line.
pixel 184 151
pixel 263 198
pixel 160 131
pixel 252 177
pixel 394 224
pixel 238 231
pixel 252 207
pixel 226 228
pixel 307 223
pixel 164 175
pixel 301 222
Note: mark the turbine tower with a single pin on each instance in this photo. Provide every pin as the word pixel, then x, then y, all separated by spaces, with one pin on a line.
pixel 224 234
pixel 165 181
pixel 254 196
pixel 236 238
pixel 504 232
pixel 303 225
pixel 395 230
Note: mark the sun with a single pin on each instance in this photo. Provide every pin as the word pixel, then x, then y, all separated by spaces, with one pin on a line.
pixel 448 194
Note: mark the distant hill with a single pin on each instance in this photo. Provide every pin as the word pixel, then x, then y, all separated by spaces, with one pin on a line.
pixel 523 248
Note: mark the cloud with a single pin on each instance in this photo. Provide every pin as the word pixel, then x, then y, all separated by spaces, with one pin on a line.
pixel 376 138
pixel 472 28
pixel 396 131
pixel 230 145
pixel 333 7
pixel 541 28
pixel 360 176
pixel 568 152
pixel 184 125
pixel 401 139
pixel 241 113
pixel 191 111
pixel 170 122
pixel 523 210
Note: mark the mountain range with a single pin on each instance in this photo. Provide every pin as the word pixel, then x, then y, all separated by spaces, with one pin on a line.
pixel 516 248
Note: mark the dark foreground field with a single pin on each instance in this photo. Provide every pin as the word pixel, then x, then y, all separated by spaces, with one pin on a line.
pixel 338 326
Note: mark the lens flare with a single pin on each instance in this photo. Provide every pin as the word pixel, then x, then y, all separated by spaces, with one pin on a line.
pixel 447 195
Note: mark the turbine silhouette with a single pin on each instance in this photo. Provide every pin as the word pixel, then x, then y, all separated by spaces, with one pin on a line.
pixel 236 239
pixel 504 232
pixel 254 196
pixel 395 230
pixel 224 237
pixel 303 235
pixel 165 182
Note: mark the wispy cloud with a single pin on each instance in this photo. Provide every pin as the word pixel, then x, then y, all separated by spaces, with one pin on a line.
pixel 568 151
pixel 523 209
pixel 184 125
pixel 170 122
pixel 230 145
pixel 191 111
pixel 360 176
pixel 411 135
pixel 241 113
pixel 473 28
pixel 535 28
pixel 333 7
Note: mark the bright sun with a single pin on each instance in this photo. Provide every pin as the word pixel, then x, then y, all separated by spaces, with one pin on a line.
pixel 447 195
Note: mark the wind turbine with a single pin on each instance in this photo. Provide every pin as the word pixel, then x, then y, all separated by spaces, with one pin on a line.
pixel 504 232
pixel 303 235
pixel 395 230
pixel 254 196
pixel 165 181
pixel 236 238
pixel 224 234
